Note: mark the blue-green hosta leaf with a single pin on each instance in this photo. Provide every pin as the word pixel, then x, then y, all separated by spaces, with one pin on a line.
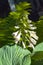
pixel 39 47
pixel 38 52
pixel 14 55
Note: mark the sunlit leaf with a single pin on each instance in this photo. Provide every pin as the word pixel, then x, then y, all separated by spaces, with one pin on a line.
pixel 14 55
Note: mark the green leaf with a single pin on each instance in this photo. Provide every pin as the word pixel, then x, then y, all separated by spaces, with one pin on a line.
pixel 38 52
pixel 39 47
pixel 27 60
pixel 39 30
pixel 23 5
pixel 37 62
pixel 6 30
pixel 14 55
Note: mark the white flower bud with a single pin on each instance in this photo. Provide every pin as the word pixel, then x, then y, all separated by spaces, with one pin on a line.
pixel 33 41
pixel 33 34
pixel 29 21
pixel 31 45
pixel 16 27
pixel 23 44
pixel 30 25
pixel 15 33
pixel 17 36
pixel 32 28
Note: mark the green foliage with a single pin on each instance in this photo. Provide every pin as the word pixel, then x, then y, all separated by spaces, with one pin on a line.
pixel 7 25
pixel 39 30
pixel 17 23
pixel 6 29
pixel 38 52
pixel 14 55
pixel 22 6
pixel 37 56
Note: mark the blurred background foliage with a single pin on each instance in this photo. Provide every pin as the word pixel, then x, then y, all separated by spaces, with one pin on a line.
pixel 39 29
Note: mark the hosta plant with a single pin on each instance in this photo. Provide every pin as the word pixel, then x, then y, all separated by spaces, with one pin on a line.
pixel 19 30
pixel 15 55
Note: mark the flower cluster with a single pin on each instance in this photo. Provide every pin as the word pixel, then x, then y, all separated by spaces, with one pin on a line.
pixel 25 30
pixel 25 33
